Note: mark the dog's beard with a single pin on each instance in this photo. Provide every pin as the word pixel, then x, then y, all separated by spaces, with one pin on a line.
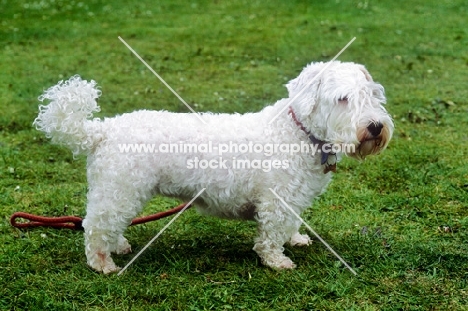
pixel 371 145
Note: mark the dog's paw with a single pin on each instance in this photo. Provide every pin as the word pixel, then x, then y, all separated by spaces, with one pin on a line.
pixel 106 268
pixel 102 262
pixel 123 247
pixel 286 264
pixel 300 240
pixel 279 262
pixel 110 269
pixel 123 251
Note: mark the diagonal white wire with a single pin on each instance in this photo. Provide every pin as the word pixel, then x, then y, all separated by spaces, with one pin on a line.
pixel 162 80
pixel 160 232
pixel 314 233
pixel 312 80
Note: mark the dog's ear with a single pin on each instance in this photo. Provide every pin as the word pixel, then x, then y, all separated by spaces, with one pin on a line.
pixel 307 78
pixel 293 86
pixel 366 73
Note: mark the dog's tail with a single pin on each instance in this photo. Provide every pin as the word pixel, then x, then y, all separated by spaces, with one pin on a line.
pixel 66 118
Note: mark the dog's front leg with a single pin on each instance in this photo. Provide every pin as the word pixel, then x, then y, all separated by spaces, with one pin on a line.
pixel 298 239
pixel 275 228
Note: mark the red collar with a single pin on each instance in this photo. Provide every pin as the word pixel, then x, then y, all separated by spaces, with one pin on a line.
pixel 326 156
pixel 298 123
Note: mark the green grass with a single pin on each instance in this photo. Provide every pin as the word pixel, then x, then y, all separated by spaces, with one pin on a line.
pixel 382 216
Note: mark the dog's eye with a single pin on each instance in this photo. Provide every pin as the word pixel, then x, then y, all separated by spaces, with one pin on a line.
pixel 343 100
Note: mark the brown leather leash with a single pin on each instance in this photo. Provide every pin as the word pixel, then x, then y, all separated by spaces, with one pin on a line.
pixel 75 223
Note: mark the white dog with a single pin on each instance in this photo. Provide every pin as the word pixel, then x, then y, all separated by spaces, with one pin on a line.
pixel 269 149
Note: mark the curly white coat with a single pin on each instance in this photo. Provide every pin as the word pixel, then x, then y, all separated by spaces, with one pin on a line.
pixel 338 106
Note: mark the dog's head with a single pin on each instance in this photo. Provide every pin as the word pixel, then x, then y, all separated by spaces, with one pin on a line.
pixel 339 103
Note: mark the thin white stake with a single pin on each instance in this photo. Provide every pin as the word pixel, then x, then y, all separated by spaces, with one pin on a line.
pixel 161 79
pixel 312 80
pixel 315 233
pixel 160 232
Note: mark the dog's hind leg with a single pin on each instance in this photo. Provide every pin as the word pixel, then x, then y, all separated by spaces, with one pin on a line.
pixel 108 215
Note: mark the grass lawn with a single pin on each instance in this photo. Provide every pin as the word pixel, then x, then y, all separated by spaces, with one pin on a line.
pixel 400 219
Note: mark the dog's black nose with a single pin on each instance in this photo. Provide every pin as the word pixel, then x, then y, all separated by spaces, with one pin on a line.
pixel 375 128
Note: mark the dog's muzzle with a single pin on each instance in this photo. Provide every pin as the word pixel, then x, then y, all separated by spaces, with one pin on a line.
pixel 373 139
